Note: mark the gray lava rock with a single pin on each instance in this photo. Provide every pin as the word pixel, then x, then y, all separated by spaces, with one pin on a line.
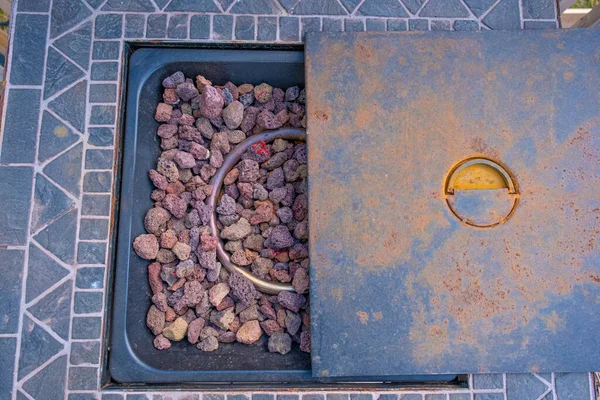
pixel 280 343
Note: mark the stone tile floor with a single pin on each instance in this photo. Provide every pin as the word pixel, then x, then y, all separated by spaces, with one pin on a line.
pixel 56 171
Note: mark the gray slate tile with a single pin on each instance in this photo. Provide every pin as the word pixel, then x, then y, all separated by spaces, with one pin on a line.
pixel 193 6
pixel 505 16
pixel 134 26
pixel 397 25
pixel 108 26
pixel 70 105
pixel 479 7
pixel 411 396
pixel 88 302
pixel 263 396
pixel 77 44
pixel 465 25
pixel 91 253
pixel 136 396
pixel 382 8
pixel 59 237
pixel 572 386
pixel 289 29
pixel 222 27
pixel 11 270
pixel 27 63
pixel 488 396
pixel 101 136
pixel 66 14
pixel 85 352
pixel 418 25
pixel 524 386
pixel 337 396
pixel 161 3
pixel 444 9
pixel 112 396
pixel 310 24
pixel 94 3
pixel 83 396
pixel 15 185
pixel 390 396
pixel 49 383
pixel 97 182
pixel 244 27
pixel 539 9
pixel 90 278
pixel 361 396
pixel 83 378
pixel 213 396
pixel 350 5
pixel 54 309
pixel 436 396
pixel 8 350
pixel 178 26
pixel 488 381
pixel 54 137
pixel 237 397
pixel 333 25
pixel 304 397
pixel 413 5
pixel 37 346
pixel 200 27
pixel 260 7
pixel 354 25
pixel 459 396
pixel 103 93
pixel 156 26
pixel 375 24
pixel 539 25
pixel 319 7
pixel 104 71
pixel 267 29
pixel 95 205
pixel 43 273
pixel 106 50
pixel 131 5
pixel 20 127
pixel 441 25
pixel 66 169
pixel 33 5
pixel 98 159
pixel 86 328
pixel 103 115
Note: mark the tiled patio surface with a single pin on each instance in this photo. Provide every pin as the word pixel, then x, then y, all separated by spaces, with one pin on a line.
pixel 56 170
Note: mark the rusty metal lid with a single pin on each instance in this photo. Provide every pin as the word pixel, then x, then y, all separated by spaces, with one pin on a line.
pixel 454 202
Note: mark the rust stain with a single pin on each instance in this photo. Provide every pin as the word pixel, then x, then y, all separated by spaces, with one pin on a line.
pixel 377 316
pixel 363 316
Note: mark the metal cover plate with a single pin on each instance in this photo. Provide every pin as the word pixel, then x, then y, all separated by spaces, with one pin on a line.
pixel 398 284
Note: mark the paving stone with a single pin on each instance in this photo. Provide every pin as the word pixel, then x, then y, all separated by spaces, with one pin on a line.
pixel 465 25
pixel 11 270
pixel 418 25
pixel 161 3
pixel 103 93
pixel 54 309
pixel 49 383
pixel 296 397
pixel 572 386
pixel 83 396
pixel 193 6
pixel 540 25
pixel 488 396
pixel 178 26
pixel 304 397
pixel 375 24
pixel 85 353
pixel 187 396
pixel 244 27
pixel 156 26
pixel 444 9
pixel 108 26
pixel 436 396
pixel 200 27
pixel 310 24
pixel 267 29
pixel 382 8
pixel 86 327
pixel 213 396
pixel 289 29
pixel 354 25
pixel 70 105
pixel 112 396
pixel 106 50
pixel 263 7
pixel 413 5
pixel 27 63
pixel 134 26
pixel 222 27
pixel 20 126
pixel 97 182
pixel 488 381
pixel 130 5
pixel 263 396
pixel 104 71
pixel 459 396
pixel 237 397
pixel 539 9
pixel 397 25
pixel 94 3
pixel 15 185
pixel 88 302
pixel 225 4
pixel 54 137
pixel 337 396
pixel 389 396
pixel 83 378
pixel 361 396
pixel 103 115
pixel 98 159
pixel 8 350
pixel 66 14
pixel 524 386
pixel 505 15
pixel 90 278
pixel 350 5
pixel 59 237
pixel 288 4
pixel 33 5
pixel 91 253
pixel 21 396
pixel 319 7
pixel 333 25
pixel 37 346
pixel 441 25
pixel 65 170
pixel 95 205
pixel 411 396
pixel 43 273
pixel 76 45
pixel 479 7
pixel 101 136
pixel 136 396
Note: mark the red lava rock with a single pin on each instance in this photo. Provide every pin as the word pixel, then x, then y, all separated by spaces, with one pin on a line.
pixel 167 130
pixel 168 169
pixel 156 220
pixel 209 242
pixel 268 311
pixel 242 288
pixel 194 329
pixel 154 278
pixel 162 343
pixel 185 160
pixel 226 303
pixel 175 205
pixel 233 115
pixel 187 91
pixel 249 120
pixel 280 238
pixel 163 112
pixel 155 320
pixel 249 332
pixel 301 281
pixel 176 188
pixel 305 341
pixel 263 92
pixel 198 151
pixel 270 327
pixel 264 213
pixel 202 82
pixel 291 301
pixel 160 301
pixel 267 120
pixel 146 246
pixel 211 102
pixel 170 315
pixel 280 343
pixel 158 180
pixel 187 119
pixel 210 343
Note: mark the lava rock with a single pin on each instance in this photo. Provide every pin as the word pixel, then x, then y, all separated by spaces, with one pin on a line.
pixel 280 343
pixel 209 344
pixel 242 288
pixel 155 320
pixel 233 115
pixel 146 246
pixel 237 231
pixel 176 331
pixel 249 332
pixel 211 102
pixel 291 301
pixel 162 343
pixel 280 238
